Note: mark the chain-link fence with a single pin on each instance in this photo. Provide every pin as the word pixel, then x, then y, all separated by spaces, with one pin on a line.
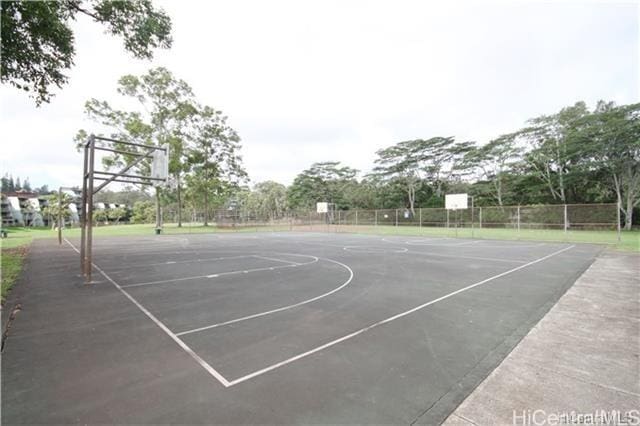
pixel 570 222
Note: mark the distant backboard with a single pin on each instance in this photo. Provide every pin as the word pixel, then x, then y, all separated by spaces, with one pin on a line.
pixel 456 201
pixel 322 207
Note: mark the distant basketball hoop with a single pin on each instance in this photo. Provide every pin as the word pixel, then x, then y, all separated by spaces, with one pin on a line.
pixel 456 201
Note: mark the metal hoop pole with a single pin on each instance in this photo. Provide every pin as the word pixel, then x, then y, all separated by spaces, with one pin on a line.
pixel 83 210
pixel 89 222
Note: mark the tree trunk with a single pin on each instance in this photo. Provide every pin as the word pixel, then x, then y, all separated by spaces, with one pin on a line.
pixel 206 208
pixel 628 214
pixel 412 199
pixel 158 215
pixel 179 194
pixel 498 187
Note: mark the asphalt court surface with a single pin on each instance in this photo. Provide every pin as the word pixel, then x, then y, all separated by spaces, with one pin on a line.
pixel 278 327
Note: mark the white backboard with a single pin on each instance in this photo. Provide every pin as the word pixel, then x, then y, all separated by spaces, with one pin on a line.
pixel 456 201
pixel 322 207
pixel 160 166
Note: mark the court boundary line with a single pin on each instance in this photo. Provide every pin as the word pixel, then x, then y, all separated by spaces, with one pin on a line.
pixel 486 259
pixel 489 259
pixel 177 262
pixel 471 243
pixel 372 249
pixel 390 319
pixel 208 368
pixel 283 308
pixel 276 260
pixel 221 274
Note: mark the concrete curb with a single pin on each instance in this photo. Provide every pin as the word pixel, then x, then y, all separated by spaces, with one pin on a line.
pixel 582 359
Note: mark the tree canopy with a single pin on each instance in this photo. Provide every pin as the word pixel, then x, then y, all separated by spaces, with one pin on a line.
pixel 576 155
pixel 323 182
pixel 38 44
pixel 202 145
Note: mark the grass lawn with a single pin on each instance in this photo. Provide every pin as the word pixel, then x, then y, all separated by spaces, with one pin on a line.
pixel 13 251
pixel 11 261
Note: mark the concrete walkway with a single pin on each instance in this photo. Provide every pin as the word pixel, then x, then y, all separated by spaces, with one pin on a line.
pixel 581 359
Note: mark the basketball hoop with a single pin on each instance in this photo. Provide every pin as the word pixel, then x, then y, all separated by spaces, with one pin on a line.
pixel 160 167
pixel 456 201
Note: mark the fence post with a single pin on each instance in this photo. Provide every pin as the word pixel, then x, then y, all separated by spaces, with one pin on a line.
pixel 519 219
pixel 396 217
pixel 356 217
pixel 566 223
pixel 618 206
pixel 420 217
pixel 480 219
pixel 447 218
pixel 375 220
pixel 472 208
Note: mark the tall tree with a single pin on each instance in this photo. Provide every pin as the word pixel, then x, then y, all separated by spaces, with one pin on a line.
pixel 26 185
pixel 609 140
pixel 37 41
pixel 267 199
pixel 213 156
pixel 551 154
pixel 440 159
pixel 7 183
pixel 168 108
pixel 56 206
pixel 324 181
pixel 398 163
pixel 493 161
pixel 434 161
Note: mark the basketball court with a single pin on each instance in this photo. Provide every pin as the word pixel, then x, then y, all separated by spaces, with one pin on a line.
pixel 288 327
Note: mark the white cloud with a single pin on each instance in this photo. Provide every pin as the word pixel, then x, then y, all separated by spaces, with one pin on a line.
pixel 315 81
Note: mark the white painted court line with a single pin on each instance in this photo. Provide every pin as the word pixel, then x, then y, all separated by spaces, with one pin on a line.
pixel 374 249
pixel 216 275
pixel 209 369
pixel 173 262
pixel 276 260
pixel 466 243
pixel 390 319
pixel 456 256
pixel 320 244
pixel 220 274
pixel 492 244
pixel 283 308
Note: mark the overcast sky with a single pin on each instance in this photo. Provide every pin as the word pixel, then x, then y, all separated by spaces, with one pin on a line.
pixel 307 81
